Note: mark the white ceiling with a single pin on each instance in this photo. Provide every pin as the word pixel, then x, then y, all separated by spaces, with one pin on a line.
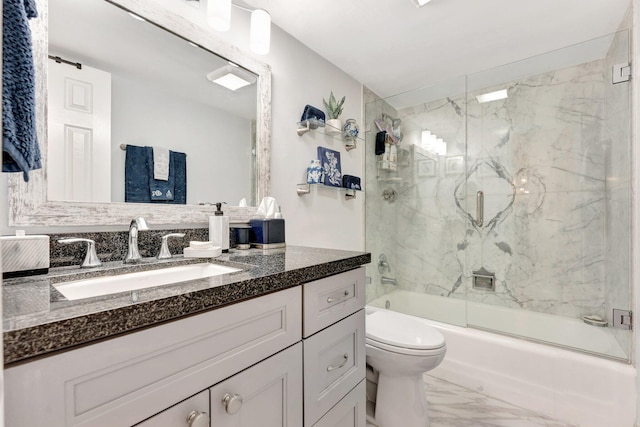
pixel 391 46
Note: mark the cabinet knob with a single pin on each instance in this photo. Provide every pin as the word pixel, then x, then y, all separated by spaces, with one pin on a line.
pixel 232 403
pixel 198 419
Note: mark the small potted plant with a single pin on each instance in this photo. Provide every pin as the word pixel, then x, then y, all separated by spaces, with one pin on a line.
pixel 334 109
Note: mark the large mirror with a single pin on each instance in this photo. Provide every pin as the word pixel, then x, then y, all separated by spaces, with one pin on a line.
pixel 154 72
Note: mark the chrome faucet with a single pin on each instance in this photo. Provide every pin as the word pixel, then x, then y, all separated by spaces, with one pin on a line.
pixel 91 259
pixel 388 281
pixel 137 224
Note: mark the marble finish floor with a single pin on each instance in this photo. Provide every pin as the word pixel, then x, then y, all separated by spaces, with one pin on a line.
pixel 454 406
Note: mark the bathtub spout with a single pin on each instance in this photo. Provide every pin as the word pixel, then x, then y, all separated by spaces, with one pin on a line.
pixel 388 281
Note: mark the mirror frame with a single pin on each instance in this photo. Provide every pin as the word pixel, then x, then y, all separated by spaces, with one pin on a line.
pixel 28 204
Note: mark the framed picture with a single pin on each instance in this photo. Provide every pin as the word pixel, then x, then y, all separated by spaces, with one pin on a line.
pixel 332 170
pixel 454 165
pixel 426 167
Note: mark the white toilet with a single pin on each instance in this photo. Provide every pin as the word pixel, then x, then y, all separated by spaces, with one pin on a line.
pixel 400 348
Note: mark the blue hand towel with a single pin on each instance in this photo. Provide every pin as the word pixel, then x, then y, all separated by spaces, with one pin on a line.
pixel 179 161
pixel 20 150
pixel 136 174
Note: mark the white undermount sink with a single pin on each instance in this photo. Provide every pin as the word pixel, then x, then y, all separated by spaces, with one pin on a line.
pixel 105 285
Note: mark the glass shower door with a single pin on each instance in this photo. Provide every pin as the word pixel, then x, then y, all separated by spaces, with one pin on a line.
pixel 548 198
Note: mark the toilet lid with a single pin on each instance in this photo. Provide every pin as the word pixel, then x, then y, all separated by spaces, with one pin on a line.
pixel 401 331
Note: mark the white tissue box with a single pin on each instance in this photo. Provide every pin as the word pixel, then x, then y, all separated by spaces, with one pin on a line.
pixel 23 255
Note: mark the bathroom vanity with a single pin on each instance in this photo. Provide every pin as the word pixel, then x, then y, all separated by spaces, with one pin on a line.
pixel 280 343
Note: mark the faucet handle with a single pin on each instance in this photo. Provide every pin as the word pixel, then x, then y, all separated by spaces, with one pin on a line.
pixel 91 259
pixel 165 253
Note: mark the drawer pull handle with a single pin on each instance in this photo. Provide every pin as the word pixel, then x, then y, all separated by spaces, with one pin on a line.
pixel 232 403
pixel 344 298
pixel 340 365
pixel 198 419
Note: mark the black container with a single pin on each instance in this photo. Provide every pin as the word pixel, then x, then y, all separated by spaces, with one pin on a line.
pixel 267 231
pixel 241 236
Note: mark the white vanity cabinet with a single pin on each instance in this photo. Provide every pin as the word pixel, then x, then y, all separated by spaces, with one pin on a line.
pixel 126 380
pixel 334 350
pixel 266 395
pixel 192 412
pixel 247 364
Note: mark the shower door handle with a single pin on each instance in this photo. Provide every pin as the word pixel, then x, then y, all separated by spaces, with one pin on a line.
pixel 479 208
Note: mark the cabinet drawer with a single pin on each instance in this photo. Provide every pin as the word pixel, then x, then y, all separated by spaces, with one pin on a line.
pixel 268 394
pixel 125 380
pixel 178 415
pixel 334 363
pixel 351 411
pixel 328 300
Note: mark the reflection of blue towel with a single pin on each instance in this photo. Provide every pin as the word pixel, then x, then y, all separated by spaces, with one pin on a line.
pixel 20 151
pixel 138 173
pixel 179 162
pixel 160 189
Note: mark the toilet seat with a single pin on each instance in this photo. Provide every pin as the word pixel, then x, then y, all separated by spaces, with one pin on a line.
pixel 389 331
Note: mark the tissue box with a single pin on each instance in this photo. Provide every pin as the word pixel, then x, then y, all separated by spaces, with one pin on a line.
pixel 24 255
pixel 267 233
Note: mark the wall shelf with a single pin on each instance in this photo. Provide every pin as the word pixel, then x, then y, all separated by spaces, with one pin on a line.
pixel 305 188
pixel 325 129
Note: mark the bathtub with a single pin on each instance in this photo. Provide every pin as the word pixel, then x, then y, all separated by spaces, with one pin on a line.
pixel 565 385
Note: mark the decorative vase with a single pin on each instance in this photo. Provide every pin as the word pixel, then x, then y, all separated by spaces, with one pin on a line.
pixel 314 172
pixel 334 127
pixel 350 131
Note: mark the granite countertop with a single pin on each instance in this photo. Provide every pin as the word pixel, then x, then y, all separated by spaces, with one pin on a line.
pixel 38 320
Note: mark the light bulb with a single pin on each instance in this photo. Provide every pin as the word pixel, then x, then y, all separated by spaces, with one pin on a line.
pixel 260 37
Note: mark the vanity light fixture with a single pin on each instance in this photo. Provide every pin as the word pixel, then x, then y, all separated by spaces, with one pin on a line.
pixel 260 35
pixel 219 14
pixel 420 3
pixel 232 77
pixel 219 18
pixel 492 96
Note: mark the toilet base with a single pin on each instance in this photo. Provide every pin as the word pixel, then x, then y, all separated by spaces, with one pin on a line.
pixel 401 402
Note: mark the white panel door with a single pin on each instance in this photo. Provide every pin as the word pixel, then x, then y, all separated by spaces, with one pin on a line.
pixel 79 153
pixel 268 394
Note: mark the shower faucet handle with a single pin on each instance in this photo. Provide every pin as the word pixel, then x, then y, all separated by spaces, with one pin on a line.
pixel 383 264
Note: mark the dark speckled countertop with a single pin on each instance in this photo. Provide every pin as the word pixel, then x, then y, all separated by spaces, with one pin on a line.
pixel 38 320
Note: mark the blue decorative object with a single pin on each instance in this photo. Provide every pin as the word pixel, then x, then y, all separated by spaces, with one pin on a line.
pixel 314 172
pixel 351 130
pixel 330 161
pixel 351 182
pixel 314 116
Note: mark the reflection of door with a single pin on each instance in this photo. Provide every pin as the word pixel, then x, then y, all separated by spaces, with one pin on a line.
pixel 79 153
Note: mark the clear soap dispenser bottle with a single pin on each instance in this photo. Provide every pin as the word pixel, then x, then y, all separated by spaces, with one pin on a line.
pixel 219 229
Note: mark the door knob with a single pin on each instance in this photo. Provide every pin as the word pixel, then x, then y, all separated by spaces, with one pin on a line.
pixel 198 419
pixel 232 403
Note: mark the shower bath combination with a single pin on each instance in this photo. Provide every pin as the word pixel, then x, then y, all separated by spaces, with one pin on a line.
pixel 523 210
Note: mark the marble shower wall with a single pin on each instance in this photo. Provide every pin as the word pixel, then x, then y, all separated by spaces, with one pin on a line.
pixel 556 189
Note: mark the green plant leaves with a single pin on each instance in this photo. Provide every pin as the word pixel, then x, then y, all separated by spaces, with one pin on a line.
pixel 334 109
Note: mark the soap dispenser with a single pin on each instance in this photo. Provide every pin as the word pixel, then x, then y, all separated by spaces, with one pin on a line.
pixel 219 229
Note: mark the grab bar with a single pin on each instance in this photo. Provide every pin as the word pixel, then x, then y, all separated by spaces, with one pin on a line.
pixel 479 208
